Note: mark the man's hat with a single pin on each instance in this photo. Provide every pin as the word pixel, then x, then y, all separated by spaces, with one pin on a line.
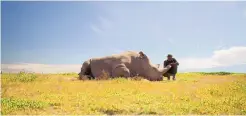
pixel 169 55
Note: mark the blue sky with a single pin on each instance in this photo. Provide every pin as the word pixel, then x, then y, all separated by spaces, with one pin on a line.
pixel 204 36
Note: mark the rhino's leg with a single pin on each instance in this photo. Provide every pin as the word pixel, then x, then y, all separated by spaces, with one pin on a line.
pixel 121 71
pixel 89 73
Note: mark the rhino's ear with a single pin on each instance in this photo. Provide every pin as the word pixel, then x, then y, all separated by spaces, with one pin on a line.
pixel 142 55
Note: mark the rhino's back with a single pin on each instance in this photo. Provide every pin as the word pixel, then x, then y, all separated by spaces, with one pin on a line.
pixel 108 62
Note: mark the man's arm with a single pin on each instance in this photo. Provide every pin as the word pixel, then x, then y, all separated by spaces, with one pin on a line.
pixel 165 64
pixel 175 61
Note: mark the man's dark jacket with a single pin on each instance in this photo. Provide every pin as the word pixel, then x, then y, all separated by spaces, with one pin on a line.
pixel 173 69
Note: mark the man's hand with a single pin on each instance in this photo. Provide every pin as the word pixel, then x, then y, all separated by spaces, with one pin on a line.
pixel 173 64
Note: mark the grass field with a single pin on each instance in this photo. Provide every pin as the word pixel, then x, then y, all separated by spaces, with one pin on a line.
pixel 191 93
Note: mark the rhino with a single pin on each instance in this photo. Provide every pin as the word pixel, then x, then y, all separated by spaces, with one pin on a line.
pixel 125 64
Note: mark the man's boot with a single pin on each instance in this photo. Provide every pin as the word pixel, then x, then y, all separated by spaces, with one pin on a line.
pixel 174 78
pixel 168 78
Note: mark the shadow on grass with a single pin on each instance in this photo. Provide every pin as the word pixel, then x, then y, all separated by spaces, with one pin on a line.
pixel 214 73
pixel 112 112
pixel 147 113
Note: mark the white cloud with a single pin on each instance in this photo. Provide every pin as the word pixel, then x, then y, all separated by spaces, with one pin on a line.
pixel 104 25
pixel 96 29
pixel 232 56
pixel 170 41
pixel 220 58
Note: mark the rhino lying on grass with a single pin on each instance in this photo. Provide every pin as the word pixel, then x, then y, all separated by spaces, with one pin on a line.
pixel 126 64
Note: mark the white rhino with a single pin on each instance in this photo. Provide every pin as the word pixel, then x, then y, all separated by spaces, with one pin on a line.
pixel 125 64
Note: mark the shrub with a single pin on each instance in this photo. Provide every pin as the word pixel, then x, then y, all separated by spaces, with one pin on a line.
pixel 10 105
pixel 23 77
pixel 216 73
pixel 68 74
pixel 83 77
pixel 103 76
pixel 137 78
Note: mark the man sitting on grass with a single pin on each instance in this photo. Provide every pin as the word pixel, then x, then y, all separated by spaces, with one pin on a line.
pixel 172 71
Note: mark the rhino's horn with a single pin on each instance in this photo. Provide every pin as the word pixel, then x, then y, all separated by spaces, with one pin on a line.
pixel 165 69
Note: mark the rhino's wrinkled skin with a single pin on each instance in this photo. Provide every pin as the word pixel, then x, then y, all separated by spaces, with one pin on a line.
pixel 125 64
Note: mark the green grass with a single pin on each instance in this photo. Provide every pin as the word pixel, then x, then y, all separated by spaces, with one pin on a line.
pixel 21 77
pixel 10 105
pixel 191 93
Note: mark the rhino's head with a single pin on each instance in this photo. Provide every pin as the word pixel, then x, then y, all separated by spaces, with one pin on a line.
pixel 152 72
pixel 85 69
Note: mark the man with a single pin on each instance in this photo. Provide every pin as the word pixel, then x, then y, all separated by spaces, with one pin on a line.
pixel 172 71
